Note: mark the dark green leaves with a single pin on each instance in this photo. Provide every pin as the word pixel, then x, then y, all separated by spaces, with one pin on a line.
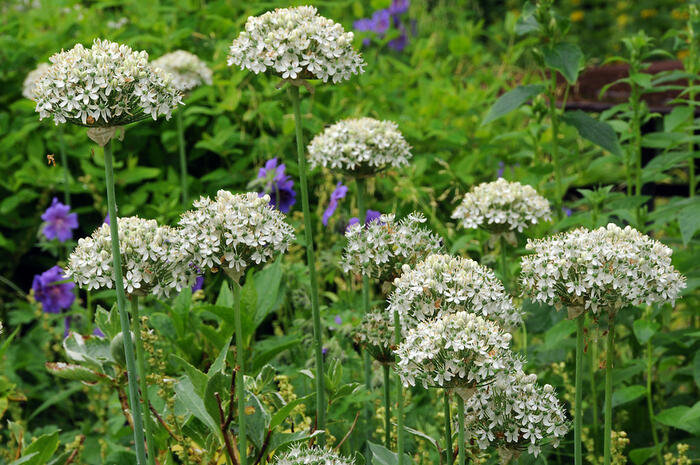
pixel 598 132
pixel 512 100
pixel 565 58
pixel 383 456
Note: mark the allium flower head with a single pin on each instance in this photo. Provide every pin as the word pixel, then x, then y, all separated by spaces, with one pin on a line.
pixel 605 269
pixel 53 297
pixel 515 413
pixel 443 284
pixel 311 456
pixel 376 335
pixel 296 43
pixel 152 257
pixel 31 80
pixel 59 223
pixel 106 85
pixel 382 247
pixel 278 185
pixel 459 351
pixel 502 206
pixel 234 231
pixel 186 70
pixel 360 147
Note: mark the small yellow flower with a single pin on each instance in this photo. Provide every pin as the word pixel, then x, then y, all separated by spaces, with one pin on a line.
pixel 577 16
pixel 682 54
pixel 679 14
pixel 622 20
pixel 622 5
pixel 648 13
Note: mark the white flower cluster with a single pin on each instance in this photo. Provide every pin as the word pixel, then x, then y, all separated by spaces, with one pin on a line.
pixel 514 413
pixel 382 247
pixel 31 80
pixel 186 70
pixel 103 86
pixel 311 456
pixel 234 231
pixel 376 334
pixel 502 206
pixel 360 146
pixel 152 259
pixel 442 284
pixel 605 269
pixel 296 43
pixel 459 351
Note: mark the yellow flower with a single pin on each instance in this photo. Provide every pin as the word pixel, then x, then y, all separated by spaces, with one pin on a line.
pixel 679 14
pixel 577 16
pixel 648 13
pixel 622 20
pixel 682 54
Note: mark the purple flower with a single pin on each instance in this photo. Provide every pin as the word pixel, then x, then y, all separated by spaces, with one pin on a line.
pixel 106 221
pixel 324 351
pixel 59 222
pixel 399 7
pixel 567 211
pixel 53 297
pixel 400 42
pixel 339 193
pixel 372 215
pixel 278 185
pixel 381 20
pixel 198 284
pixel 501 169
pixel 98 332
pixel 364 25
pixel 338 320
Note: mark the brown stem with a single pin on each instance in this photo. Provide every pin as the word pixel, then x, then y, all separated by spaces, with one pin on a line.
pixel 223 422
pixel 74 454
pixel 347 435
pixel 125 407
pixel 162 422
pixel 258 459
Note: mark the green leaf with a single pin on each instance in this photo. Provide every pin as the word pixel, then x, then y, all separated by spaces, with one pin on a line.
pixel 641 455
pixel 512 100
pixel 383 456
pixel 678 116
pixel 557 333
pixel 59 397
pixel 258 419
pixel 90 351
pixel 196 377
pixel 74 372
pixel 280 415
pixel 44 446
pixel 565 58
pixel 696 367
pixel 645 330
pixel 136 174
pixel 689 221
pixel 643 80
pixel 627 394
pixel 279 441
pixel 267 284
pixel 674 417
pixel 220 362
pixel 186 394
pixel 262 357
pixel 108 322
pixel 598 132
pixel 221 383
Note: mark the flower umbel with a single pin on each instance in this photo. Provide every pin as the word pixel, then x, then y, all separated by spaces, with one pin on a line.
pixel 376 334
pixel 311 456
pixel 186 70
pixel 59 222
pixel 54 297
pixel 31 80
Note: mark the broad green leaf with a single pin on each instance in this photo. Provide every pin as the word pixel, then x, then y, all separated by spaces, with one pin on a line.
pixel 674 417
pixel 565 58
pixel 108 322
pixel 185 392
pixel 641 455
pixel 267 284
pixel 559 332
pixel 663 140
pixel 220 362
pixel 512 100
pixel 627 394
pixel 58 397
pixel 44 446
pixel 258 419
pixel 598 132
pixel 383 456
pixel 696 367
pixel 689 221
pixel 74 372
pixel 645 330
pixel 221 383
pixel 678 116
pixel 27 459
pixel 278 440
pixel 280 415
pixel 643 80
pixel 196 377
pixel 262 357
pixel 90 351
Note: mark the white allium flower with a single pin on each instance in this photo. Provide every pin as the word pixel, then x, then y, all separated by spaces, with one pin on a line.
pixel 360 146
pixel 152 259
pixel 442 284
pixel 234 231
pixel 31 80
pixel 502 206
pixel 515 413
pixel 104 86
pixel 296 43
pixel 382 247
pixel 459 351
pixel 606 269
pixel 187 70
pixel 311 456
pixel 376 334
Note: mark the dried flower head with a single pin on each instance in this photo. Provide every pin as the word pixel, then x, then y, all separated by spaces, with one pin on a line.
pixel 234 231
pixel 382 247
pixel 361 147
pixel 152 257
pixel 605 269
pixel 296 43
pixel 31 80
pixel 376 335
pixel 186 70
pixel 311 456
pixel 103 86
pixel 502 206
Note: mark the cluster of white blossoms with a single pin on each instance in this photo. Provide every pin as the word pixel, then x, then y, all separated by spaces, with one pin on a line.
pixel 234 231
pixel 501 206
pixel 376 334
pixel 381 248
pixel 605 269
pixel 360 146
pixel 459 351
pixel 296 43
pixel 31 80
pixel 152 259
pixel 311 456
pixel 104 86
pixel 442 284
pixel 515 413
pixel 186 70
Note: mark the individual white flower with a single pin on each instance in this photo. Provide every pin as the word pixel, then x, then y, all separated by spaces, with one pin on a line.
pixel 443 284
pixel 501 206
pixel 234 231
pixel 31 80
pixel 515 414
pixel 605 269
pixel 376 334
pixel 106 85
pixel 152 259
pixel 382 247
pixel 187 70
pixel 296 43
pixel 459 351
pixel 311 456
pixel 360 147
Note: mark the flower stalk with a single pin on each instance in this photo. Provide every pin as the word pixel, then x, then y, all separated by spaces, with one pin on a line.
pixel 578 408
pixel 360 184
pixel 399 393
pixel 240 371
pixel 610 355
pixel 387 406
pixel 460 415
pixel 183 159
pixel 448 429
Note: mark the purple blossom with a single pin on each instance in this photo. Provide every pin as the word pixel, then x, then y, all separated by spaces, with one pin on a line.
pixel 106 221
pixel 400 42
pixel 338 320
pixel 59 222
pixel 372 215
pixel 364 25
pixel 278 185
pixel 53 297
pixel 381 20
pixel 98 332
pixel 398 7
pixel 339 193
pixel 324 351
pixel 198 284
pixel 567 211
pixel 501 169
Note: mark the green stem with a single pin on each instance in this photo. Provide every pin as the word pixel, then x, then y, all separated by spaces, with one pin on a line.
pixel 610 349
pixel 143 381
pixel 311 263
pixel 121 305
pixel 64 162
pixel 448 429
pixel 460 416
pixel 594 394
pixel 183 159
pixel 504 261
pixel 387 406
pixel 360 184
pixel 554 117
pixel 578 412
pixel 240 370
pixel 399 394
pixel 650 401
pixel 691 145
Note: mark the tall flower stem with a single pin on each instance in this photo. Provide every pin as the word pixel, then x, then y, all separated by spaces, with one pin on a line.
pixel 460 415
pixel 610 355
pixel 240 371
pixel 360 184
pixel 387 406
pixel 143 382
pixel 121 305
pixel 311 264
pixel 399 394
pixel 594 393
pixel 64 162
pixel 183 158
pixel 554 118
pixel 578 408
pixel 650 400
pixel 504 261
pixel 448 429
